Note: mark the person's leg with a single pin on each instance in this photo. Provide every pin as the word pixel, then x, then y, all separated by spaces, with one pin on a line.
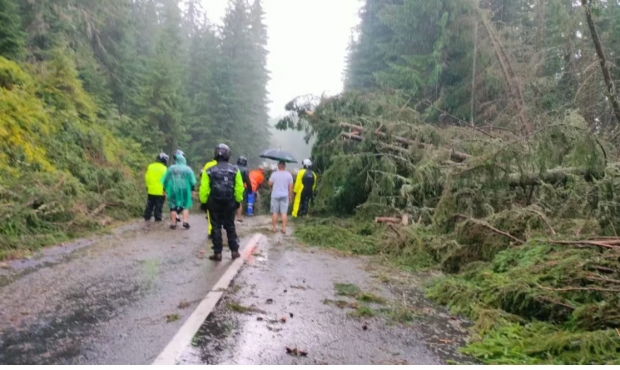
pixel 148 210
pixel 297 204
pixel 231 232
pixel 185 218
pixel 210 225
pixel 284 221
pixel 251 204
pixel 305 202
pixel 217 219
pixel 159 207
pixel 173 218
pixel 274 213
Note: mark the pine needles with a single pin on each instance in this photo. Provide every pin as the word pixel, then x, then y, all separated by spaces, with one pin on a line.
pixel 526 227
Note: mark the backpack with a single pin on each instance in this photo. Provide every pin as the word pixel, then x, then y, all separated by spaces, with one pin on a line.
pixel 222 179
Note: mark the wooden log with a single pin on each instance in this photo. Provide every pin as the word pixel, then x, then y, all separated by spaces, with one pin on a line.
pixel 393 220
pixel 555 175
pixel 388 220
pixel 454 155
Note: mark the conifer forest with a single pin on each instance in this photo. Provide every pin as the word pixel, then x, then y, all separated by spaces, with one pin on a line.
pixel 477 140
pixel 91 91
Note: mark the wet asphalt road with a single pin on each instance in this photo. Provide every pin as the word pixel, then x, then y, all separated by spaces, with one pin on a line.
pixel 288 294
pixel 106 302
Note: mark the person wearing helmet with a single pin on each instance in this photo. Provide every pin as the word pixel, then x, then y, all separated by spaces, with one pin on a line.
pixel 221 192
pixel 155 200
pixel 179 184
pixel 305 185
pixel 257 177
pixel 242 164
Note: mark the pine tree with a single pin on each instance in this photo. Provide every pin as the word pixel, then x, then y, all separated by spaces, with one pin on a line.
pixel 366 56
pixel 163 93
pixel 12 38
pixel 260 78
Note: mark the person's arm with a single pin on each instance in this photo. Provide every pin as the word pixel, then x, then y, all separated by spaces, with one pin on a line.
pixel 165 181
pixel 205 188
pixel 146 178
pixel 290 191
pixel 239 188
pixel 247 182
pixel 192 181
pixel 270 183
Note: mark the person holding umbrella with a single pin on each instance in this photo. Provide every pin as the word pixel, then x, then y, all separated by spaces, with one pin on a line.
pixel 281 183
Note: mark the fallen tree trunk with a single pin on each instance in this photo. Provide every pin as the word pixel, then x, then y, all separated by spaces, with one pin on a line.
pixel 553 176
pixel 393 220
pixel 454 155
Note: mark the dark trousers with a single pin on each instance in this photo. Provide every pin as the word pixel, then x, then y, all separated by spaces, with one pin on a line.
pixel 154 205
pixel 304 204
pixel 223 215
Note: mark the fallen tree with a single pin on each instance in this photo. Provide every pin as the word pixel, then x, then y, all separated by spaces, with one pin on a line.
pixel 525 227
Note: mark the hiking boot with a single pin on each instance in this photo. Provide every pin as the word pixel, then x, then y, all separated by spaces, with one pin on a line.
pixel 216 257
pixel 235 255
pixel 173 227
pixel 179 219
pixel 186 226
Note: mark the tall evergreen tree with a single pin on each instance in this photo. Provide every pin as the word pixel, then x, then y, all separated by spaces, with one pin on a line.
pixel 163 94
pixel 12 38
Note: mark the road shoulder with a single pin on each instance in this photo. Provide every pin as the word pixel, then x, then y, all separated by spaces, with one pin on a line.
pixel 296 305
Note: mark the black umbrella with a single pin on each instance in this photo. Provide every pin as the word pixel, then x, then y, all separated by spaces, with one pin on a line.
pixel 279 155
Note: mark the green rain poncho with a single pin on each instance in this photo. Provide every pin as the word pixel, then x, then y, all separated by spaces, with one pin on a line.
pixel 179 183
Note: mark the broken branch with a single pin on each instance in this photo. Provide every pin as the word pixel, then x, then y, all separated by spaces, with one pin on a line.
pixel 488 226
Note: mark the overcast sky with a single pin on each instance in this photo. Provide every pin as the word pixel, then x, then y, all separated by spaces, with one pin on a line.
pixel 308 42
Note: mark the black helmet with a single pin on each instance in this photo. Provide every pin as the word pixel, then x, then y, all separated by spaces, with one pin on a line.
pixel 162 158
pixel 222 153
pixel 242 161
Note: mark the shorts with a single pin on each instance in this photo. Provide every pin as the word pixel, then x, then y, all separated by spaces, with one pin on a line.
pixel 177 209
pixel 279 205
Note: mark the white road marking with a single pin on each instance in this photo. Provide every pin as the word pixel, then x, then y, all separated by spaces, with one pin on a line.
pixel 184 336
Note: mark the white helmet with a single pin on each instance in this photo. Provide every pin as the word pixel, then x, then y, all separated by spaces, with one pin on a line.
pixel 306 163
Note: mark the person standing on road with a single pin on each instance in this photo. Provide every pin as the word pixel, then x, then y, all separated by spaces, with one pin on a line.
pixel 242 164
pixel 256 179
pixel 221 192
pixel 179 184
pixel 281 183
pixel 305 185
pixel 155 200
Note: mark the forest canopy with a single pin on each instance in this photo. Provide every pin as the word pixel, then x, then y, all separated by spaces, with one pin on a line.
pixel 91 91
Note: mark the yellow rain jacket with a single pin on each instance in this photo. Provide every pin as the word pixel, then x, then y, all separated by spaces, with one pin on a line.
pixel 299 190
pixel 154 173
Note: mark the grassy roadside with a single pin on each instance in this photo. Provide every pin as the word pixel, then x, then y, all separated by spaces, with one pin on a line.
pixel 529 303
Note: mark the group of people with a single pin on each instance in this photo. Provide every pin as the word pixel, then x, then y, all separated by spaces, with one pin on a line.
pixel 223 189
